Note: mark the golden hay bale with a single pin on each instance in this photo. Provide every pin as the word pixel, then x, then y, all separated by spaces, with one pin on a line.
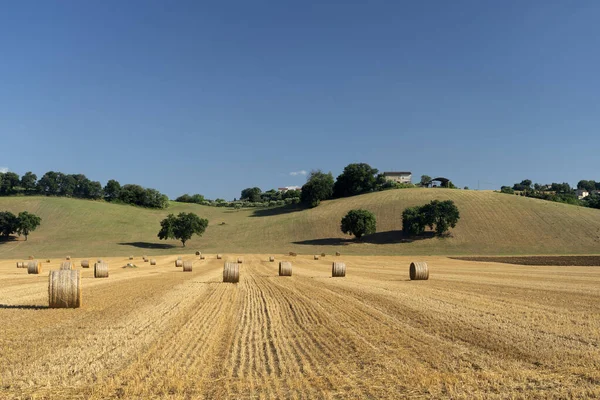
pixel 66 265
pixel 240 260
pixel 231 272
pixel 153 262
pixel 198 253
pixel 68 258
pixel 21 264
pixel 101 270
pixel 316 257
pixel 64 289
pixel 146 259
pixel 285 268
pixel 292 254
pixel 48 261
pixel 131 257
pixel 31 257
pixel 179 263
pixel 187 266
pixel 202 257
pixel 419 271
pixel 219 256
pixel 338 270
pixel 179 258
pixel 85 263
pixel 34 267
pixel 337 253
pixel 271 259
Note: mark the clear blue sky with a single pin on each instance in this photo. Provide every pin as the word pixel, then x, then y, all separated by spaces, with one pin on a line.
pixel 211 98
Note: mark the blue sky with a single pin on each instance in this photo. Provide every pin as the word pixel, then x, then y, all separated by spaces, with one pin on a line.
pixel 213 97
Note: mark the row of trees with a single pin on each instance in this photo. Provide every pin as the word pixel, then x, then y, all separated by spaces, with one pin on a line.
pixel 79 186
pixel 439 216
pixel 22 224
pixel 250 197
pixel 558 192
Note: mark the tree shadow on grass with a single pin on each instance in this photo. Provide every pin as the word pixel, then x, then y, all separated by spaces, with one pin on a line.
pixel 7 239
pixel 388 237
pixel 148 245
pixel 268 212
pixel 20 307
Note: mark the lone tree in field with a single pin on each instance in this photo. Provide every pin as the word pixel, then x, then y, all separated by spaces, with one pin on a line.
pixel 182 227
pixel 27 223
pixel 358 223
pixel 318 186
pixel 437 215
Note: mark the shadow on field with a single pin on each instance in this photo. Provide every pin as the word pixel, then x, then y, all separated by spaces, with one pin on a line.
pixel 388 237
pixel 8 306
pixel 148 245
pixel 9 239
pixel 268 212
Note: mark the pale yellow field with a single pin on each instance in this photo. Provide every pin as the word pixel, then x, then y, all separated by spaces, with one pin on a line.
pixel 474 330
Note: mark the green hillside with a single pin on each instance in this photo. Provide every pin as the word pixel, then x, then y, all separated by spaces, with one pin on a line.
pixel 491 224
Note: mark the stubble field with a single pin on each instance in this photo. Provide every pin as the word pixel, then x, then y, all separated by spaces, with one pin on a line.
pixel 473 330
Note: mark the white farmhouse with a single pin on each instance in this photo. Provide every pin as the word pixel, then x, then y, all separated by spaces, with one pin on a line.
pixel 399 177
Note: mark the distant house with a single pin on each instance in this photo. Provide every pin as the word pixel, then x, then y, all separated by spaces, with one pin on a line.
pixel 288 188
pixel 399 177
pixel 582 193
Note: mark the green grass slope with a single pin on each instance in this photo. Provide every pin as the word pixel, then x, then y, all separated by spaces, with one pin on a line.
pixel 491 224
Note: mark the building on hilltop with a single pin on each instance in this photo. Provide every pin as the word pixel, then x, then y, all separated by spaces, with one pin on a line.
pixel 582 193
pixel 288 188
pixel 399 177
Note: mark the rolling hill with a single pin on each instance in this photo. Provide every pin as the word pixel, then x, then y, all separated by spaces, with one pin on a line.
pixel 491 224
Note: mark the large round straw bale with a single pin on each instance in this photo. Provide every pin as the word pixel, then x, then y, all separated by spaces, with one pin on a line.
pixel 153 262
pixel 187 266
pixel 316 257
pixel 179 263
pixel 68 258
pixel 85 263
pixel 202 257
pixel 338 270
pixel 66 265
pixel 323 254
pixel 240 260
pixel 271 259
pixel 231 272
pixel 285 268
pixel 31 257
pixel 219 256
pixel 34 267
pixel 21 264
pixel 64 289
pixel 419 271
pixel 48 261
pixel 292 254
pixel 146 259
pixel 337 253
pixel 131 257
pixel 198 253
pixel 101 270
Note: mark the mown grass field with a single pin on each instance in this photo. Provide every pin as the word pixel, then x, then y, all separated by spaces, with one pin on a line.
pixel 491 223
pixel 472 331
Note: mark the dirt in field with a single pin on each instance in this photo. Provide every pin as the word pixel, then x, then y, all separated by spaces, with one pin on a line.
pixel 473 330
pixel 590 261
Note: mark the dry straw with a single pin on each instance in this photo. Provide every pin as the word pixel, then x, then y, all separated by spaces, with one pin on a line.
pixel 85 263
pixel 153 262
pixel 66 265
pixel 338 270
pixel 64 289
pixel 285 268
pixel 231 272
pixel 292 254
pixel 179 263
pixel 187 266
pixel 316 257
pixel 419 271
pixel 101 270
pixel 240 260
pixel 21 264
pixel 131 257
pixel 34 267
pixel 68 258
pixel 202 257
pixel 272 259
pixel 219 256
pixel 337 253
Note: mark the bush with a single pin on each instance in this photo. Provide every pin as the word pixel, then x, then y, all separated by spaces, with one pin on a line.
pixel 437 215
pixel 358 223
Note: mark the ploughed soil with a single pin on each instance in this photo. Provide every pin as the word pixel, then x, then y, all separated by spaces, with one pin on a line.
pixel 591 261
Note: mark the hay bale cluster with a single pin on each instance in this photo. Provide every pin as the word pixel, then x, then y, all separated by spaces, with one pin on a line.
pixel 285 268
pixel 419 271
pixel 231 272
pixel 64 289
pixel 338 270
pixel 101 270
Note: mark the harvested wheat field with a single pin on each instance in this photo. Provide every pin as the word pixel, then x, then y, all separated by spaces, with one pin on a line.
pixel 473 330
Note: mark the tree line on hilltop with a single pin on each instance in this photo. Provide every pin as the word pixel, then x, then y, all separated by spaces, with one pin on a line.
pixel 557 192
pixel 79 186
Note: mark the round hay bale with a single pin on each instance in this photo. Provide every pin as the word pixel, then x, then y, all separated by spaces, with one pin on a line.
pixel 85 263
pixel 66 265
pixel 292 254
pixel 68 258
pixel 240 260
pixel 419 271
pixel 179 263
pixel 285 268
pixel 99 260
pixel 146 259
pixel 337 253
pixel 64 289
pixel 338 270
pixel 101 270
pixel 179 258
pixel 271 259
pixel 131 257
pixel 187 266
pixel 153 262
pixel 34 267
pixel 219 256
pixel 316 257
pixel 202 257
pixel 231 272
pixel 21 264
pixel 198 253
pixel 48 261
pixel 31 257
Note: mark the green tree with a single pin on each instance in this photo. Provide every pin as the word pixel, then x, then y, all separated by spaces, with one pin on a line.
pixel 358 223
pixel 48 184
pixel 356 179
pixel 251 194
pixel 112 190
pixel 425 179
pixel 28 182
pixel 27 223
pixel 412 221
pixel 8 223
pixel 587 185
pixel 437 215
pixel 318 187
pixel 182 227
pixel 10 181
